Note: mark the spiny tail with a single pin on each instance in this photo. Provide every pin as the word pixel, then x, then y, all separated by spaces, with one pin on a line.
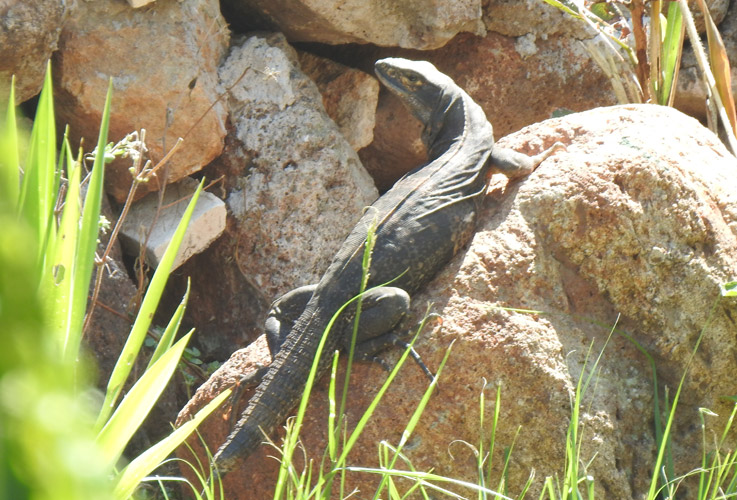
pixel 278 393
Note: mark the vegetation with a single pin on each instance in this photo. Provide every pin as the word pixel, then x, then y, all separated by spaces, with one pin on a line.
pixel 644 68
pixel 715 471
pixel 55 443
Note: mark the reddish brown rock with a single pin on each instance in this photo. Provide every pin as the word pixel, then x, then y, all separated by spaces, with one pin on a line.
pixel 418 24
pixel 29 31
pixel 163 61
pixel 349 95
pixel 634 226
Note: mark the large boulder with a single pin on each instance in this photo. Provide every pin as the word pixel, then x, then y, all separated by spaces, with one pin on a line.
pixel 417 24
pixel 163 61
pixel 634 228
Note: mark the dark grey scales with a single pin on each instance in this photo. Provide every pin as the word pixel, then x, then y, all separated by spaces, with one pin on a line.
pixel 427 216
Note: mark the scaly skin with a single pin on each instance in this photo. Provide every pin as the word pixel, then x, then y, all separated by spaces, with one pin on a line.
pixel 423 221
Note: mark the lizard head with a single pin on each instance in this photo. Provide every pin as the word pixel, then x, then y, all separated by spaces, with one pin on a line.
pixel 417 83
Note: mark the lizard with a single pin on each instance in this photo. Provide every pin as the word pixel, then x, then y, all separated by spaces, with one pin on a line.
pixel 420 223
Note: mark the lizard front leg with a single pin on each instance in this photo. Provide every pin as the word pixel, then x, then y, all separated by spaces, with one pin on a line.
pixel 515 164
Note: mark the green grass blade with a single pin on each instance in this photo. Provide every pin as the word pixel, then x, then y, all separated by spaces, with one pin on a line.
pixel 661 456
pixel 414 419
pixel 672 51
pixel 492 438
pixel 365 266
pixel 138 403
pixel 332 428
pixel 167 339
pixel 37 196
pixel 9 157
pixel 564 8
pixel 59 280
pixel 145 315
pixel 85 256
pixel 146 462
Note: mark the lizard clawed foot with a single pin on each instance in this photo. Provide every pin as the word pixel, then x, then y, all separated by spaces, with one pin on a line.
pixel 367 352
pixel 541 157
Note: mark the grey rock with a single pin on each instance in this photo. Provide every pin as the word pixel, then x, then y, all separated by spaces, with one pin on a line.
pixel 151 223
pixel 293 187
pixel 304 176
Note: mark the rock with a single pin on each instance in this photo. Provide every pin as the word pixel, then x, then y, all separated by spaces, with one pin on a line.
pixel 397 147
pixel 29 31
pixel 691 93
pixel 163 61
pixel 417 24
pixel 293 186
pixel 520 18
pixel 517 82
pixel 717 10
pixel 635 226
pixel 139 3
pixel 206 224
pixel 350 97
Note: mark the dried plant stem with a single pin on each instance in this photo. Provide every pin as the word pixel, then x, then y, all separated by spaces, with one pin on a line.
pixel 713 98
pixel 140 174
pixel 637 9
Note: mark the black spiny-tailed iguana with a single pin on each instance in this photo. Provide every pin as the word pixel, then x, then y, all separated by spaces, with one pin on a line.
pixel 422 222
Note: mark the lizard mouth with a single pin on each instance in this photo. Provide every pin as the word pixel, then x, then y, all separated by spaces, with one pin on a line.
pixel 387 75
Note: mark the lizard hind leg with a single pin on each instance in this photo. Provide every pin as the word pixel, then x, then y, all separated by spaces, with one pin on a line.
pixel 382 309
pixel 381 312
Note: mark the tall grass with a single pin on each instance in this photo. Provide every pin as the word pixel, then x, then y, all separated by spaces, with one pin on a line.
pixel 54 444
pixel 644 68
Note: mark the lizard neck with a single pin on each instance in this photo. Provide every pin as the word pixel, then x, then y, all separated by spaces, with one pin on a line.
pixel 455 120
